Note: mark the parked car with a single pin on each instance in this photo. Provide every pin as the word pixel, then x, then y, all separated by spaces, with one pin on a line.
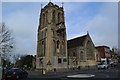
pixel 113 64
pixel 15 73
pixel 102 66
pixel 0 72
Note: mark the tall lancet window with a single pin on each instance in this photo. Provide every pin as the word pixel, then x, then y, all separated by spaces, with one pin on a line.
pixel 58 44
pixel 90 51
pixel 46 16
pixel 43 20
pixel 58 17
pixel 53 16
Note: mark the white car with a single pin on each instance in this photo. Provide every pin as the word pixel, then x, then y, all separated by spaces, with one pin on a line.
pixel 102 66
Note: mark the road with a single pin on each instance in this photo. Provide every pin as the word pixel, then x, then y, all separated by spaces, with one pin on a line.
pixel 108 74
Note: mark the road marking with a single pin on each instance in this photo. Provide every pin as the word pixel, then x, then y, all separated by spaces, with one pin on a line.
pixel 81 76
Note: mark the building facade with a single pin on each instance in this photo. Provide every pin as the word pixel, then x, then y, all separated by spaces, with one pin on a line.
pixel 51 43
pixel 82 52
pixel 105 53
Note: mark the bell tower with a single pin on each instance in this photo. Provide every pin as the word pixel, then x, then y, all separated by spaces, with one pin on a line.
pixel 51 43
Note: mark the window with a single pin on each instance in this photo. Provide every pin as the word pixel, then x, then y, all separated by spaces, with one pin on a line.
pixel 90 51
pixel 53 17
pixel 42 42
pixel 64 60
pixel 46 16
pixel 59 60
pixel 42 34
pixel 82 56
pixel 58 43
pixel 62 42
pixel 58 17
pixel 45 32
pixel 74 54
pixel 43 20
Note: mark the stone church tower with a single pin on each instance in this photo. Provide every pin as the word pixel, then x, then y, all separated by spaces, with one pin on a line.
pixel 52 43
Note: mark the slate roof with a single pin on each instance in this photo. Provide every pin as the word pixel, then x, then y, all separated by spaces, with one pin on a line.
pixel 76 41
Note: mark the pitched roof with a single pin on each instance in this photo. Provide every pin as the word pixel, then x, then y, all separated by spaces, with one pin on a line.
pixel 76 41
pixel 102 47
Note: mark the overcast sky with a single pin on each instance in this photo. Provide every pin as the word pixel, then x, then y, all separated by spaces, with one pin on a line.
pixel 100 19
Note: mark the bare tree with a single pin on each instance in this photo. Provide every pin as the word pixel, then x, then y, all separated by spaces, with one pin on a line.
pixel 6 41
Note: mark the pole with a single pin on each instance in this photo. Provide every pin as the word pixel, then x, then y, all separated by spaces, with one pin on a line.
pixel 42 67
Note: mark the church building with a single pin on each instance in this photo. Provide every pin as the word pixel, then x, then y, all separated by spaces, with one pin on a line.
pixel 82 52
pixel 54 52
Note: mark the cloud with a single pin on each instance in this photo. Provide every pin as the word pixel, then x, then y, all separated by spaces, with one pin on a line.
pixel 0 12
pixel 23 19
pixel 103 27
pixel 24 24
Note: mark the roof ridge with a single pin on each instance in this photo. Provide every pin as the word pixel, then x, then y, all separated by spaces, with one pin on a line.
pixel 78 37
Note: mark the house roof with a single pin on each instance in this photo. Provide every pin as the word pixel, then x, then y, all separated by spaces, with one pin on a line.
pixel 102 47
pixel 76 41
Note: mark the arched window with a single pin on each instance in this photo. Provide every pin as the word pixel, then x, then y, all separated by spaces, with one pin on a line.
pixel 42 34
pixel 90 51
pixel 53 16
pixel 45 32
pixel 62 42
pixel 58 17
pixel 43 49
pixel 53 33
pixel 82 56
pixel 42 42
pixel 74 54
pixel 58 44
pixel 43 19
pixel 46 16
